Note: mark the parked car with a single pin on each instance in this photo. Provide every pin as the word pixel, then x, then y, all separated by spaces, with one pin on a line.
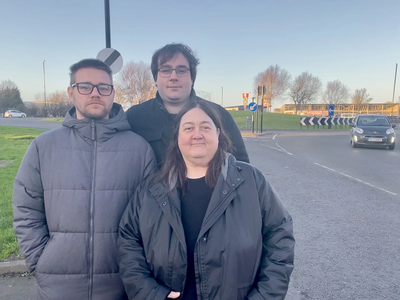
pixel 373 130
pixel 14 114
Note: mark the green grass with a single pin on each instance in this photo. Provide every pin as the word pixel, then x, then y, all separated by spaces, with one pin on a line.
pixel 276 121
pixel 13 143
pixel 55 120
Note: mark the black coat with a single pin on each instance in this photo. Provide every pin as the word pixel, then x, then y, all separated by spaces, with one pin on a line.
pixel 156 125
pixel 245 248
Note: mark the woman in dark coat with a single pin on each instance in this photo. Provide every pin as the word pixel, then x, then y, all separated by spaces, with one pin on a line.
pixel 208 226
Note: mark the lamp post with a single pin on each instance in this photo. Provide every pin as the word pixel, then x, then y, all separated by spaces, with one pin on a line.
pixel 44 89
pixel 394 87
pixel 222 96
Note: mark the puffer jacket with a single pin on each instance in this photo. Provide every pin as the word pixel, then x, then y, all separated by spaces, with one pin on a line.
pixel 70 192
pixel 245 248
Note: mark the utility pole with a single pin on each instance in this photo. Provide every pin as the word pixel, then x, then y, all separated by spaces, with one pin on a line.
pixel 222 96
pixel 107 21
pixel 394 87
pixel 44 90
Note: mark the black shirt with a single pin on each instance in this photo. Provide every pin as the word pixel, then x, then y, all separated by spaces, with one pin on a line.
pixel 194 205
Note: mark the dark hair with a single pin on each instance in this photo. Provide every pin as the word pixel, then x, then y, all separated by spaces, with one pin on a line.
pixel 175 165
pixel 161 56
pixel 88 63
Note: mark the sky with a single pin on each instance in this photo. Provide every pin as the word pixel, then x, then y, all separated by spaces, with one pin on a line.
pixel 354 41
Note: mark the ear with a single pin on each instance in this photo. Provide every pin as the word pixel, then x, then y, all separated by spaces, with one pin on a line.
pixel 69 92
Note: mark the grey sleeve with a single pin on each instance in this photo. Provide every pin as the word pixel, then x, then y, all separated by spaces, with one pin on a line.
pixel 278 246
pixel 28 205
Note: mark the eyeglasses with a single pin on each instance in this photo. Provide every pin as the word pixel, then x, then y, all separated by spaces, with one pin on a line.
pixel 85 88
pixel 166 72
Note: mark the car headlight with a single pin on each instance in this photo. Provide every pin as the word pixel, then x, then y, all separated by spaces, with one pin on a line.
pixel 390 131
pixel 359 130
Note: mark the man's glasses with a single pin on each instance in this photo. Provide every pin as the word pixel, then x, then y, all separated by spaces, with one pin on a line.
pixel 85 88
pixel 166 72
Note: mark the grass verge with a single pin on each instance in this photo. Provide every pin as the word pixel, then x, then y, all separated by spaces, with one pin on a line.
pixel 13 144
pixel 277 121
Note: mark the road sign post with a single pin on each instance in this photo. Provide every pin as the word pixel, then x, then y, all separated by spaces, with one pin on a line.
pixel 331 111
pixel 252 107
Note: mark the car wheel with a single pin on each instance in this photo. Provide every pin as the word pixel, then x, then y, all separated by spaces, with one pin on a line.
pixel 354 145
pixel 23 116
pixel 10 116
pixel 391 147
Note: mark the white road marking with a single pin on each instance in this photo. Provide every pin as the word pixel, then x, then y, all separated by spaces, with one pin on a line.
pixel 274 136
pixel 272 147
pixel 284 150
pixel 359 180
pixel 280 149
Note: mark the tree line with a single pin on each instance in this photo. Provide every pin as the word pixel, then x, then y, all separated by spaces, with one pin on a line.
pixel 134 83
pixel 305 88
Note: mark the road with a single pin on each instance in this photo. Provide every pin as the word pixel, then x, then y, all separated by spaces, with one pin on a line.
pixel 29 122
pixel 345 205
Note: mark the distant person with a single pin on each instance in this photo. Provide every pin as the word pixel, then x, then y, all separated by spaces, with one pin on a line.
pixel 208 226
pixel 72 188
pixel 174 69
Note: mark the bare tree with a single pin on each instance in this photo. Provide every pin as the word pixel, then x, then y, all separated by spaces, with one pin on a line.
pixel 58 103
pixel 275 80
pixel 304 89
pixel 134 84
pixel 360 97
pixel 335 93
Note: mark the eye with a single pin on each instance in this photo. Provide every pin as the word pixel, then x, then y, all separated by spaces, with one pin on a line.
pixel 165 71
pixel 104 88
pixel 181 71
pixel 187 128
pixel 85 87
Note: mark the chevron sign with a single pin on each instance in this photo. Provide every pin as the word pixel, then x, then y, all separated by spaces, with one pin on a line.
pixel 325 121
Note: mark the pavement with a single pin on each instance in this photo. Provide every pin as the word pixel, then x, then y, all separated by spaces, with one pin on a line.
pixel 17 284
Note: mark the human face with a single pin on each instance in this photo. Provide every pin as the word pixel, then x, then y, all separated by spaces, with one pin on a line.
pixel 198 137
pixel 94 105
pixel 175 90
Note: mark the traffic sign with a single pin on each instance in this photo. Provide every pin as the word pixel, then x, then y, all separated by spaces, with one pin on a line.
pixel 253 106
pixel 331 110
pixel 112 58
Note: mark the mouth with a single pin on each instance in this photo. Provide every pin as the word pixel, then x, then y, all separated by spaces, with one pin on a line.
pixel 174 86
pixel 95 103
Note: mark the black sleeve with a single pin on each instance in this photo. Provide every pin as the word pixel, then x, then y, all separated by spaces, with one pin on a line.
pixel 234 134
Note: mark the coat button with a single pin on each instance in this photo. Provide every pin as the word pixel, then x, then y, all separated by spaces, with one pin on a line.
pixel 164 203
pixel 204 239
pixel 224 192
pixel 238 179
pixel 233 184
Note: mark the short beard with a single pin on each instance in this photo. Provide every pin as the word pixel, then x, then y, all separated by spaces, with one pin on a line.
pixel 99 116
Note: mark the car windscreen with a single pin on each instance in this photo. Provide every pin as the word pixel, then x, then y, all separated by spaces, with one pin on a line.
pixel 373 121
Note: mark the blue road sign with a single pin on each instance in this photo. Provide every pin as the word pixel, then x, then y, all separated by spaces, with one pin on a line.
pixel 331 110
pixel 253 106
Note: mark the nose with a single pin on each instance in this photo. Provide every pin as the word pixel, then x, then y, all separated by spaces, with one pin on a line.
pixel 173 75
pixel 197 134
pixel 95 92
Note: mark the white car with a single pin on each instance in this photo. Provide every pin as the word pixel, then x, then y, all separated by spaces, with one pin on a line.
pixel 14 114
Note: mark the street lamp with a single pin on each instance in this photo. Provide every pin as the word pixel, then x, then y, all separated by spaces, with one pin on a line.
pixel 44 89
pixel 222 96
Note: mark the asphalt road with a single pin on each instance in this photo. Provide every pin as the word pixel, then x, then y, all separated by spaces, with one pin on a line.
pixel 29 122
pixel 345 205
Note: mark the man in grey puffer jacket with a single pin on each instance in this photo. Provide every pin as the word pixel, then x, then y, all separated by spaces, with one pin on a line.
pixel 72 188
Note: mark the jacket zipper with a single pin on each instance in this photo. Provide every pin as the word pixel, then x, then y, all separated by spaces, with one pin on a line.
pixel 91 219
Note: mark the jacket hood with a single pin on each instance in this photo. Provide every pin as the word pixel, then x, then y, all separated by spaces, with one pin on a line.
pixel 104 128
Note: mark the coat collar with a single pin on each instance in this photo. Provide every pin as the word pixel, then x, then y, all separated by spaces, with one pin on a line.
pixel 104 128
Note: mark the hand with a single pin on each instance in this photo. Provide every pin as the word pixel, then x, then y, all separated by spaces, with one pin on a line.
pixel 174 295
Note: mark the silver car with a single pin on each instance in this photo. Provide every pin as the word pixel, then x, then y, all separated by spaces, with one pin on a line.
pixel 14 114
